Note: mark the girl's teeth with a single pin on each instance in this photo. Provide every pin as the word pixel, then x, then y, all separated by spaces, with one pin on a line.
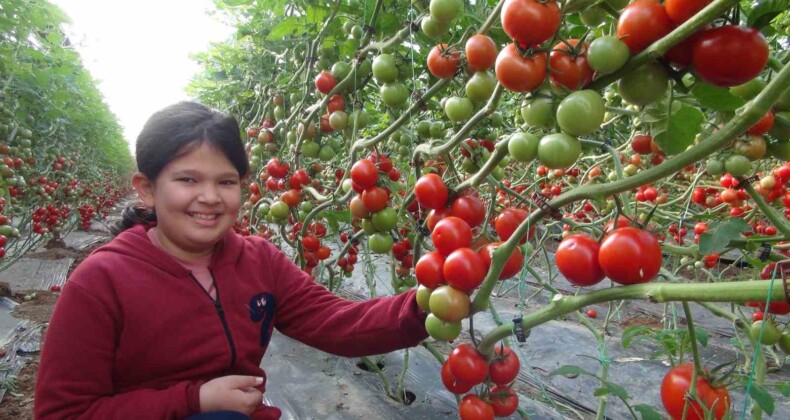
pixel 204 216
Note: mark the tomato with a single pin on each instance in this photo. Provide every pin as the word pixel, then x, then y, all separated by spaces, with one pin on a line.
pixel 559 150
pixel 630 256
pixel 451 233
pixel 641 23
pixel 394 94
pixel 375 198
pixel 385 219
pixel 467 365
pixel 445 10
pixel 764 125
pixel 449 304
pixel 336 103
pixel 451 383
pixel 380 243
pixel 523 147
pixel 749 89
pixel 784 342
pixel 458 108
pixel 279 210
pixel 481 52
pixel 433 28
pixel 729 55
pixel 443 62
pixel 644 85
pixel 464 269
pixel 775 307
pixel 641 144
pixel 517 73
pixel 503 400
pixel 680 11
pixel 508 221
pixel 680 54
pixel 753 147
pixel 675 386
pixel 434 216
pixel 442 330
pixel 592 16
pixel 384 68
pixel 429 270
pixel 513 265
pixel 538 112
pixel 431 192
pixel 480 86
pixel 423 295
pixel 358 208
pixel 766 331
pixel 580 113
pixel 592 313
pixel 568 62
pixel 470 209
pixel 530 22
pixel 607 54
pixel 364 173
pixel 737 165
pixel 473 407
pixel 577 260
pixel 325 82
pixel 504 368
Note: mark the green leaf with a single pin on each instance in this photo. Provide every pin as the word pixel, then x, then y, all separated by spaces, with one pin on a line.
pixel 718 238
pixel 763 398
pixel 716 98
pixel 570 370
pixel 682 128
pixel 601 391
pixel 765 12
pixel 784 388
pixel 286 27
pixel 702 336
pixel 616 390
pixel 647 412
pixel 634 332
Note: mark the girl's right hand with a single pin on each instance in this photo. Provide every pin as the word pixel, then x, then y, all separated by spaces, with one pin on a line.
pixel 234 393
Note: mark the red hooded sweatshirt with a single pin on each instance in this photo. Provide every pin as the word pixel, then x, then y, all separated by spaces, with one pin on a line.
pixel 134 335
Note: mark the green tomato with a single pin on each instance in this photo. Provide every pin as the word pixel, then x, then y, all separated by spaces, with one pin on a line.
pixel 523 147
pixel 780 150
pixel 442 330
pixel 306 206
pixel 263 209
pixel 458 109
pixel 326 153
pixel 580 113
pixel 356 32
pixel 449 304
pixel 784 342
pixel 340 70
pixel 423 298
pixel 359 119
pixel 423 129
pixel 770 332
pixel 480 86
pixel 592 16
pixel 279 112
pixel 496 119
pixel 347 184
pixel 749 89
pixel 607 54
pixel 737 165
pixel 645 85
pixel 368 227
pixel 385 219
pixel 394 94
pixel 558 151
pixel 538 113
pixel 404 151
pixel 498 173
pixel 445 10
pixel 279 210
pixel 630 169
pixel 781 127
pixel 384 69
pixel 338 120
pixel 433 28
pixel 437 130
pixel 380 243
pixel 469 166
pixel 310 149
pixel 714 167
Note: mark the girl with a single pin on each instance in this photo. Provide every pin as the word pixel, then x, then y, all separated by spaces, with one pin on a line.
pixel 172 317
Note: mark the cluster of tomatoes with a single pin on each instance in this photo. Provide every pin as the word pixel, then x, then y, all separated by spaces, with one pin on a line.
pixel 465 367
pixel 51 216
pixel 347 263
pixel 371 206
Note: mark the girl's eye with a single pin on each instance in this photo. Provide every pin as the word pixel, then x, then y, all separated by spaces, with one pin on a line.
pixel 228 182
pixel 186 180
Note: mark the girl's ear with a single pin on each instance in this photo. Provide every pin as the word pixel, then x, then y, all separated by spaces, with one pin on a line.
pixel 144 188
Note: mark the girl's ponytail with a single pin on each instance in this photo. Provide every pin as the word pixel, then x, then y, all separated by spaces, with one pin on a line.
pixel 134 214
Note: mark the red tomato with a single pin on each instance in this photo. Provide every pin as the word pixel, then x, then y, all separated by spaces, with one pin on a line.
pixel 450 234
pixel 375 198
pixel 364 173
pixel 325 82
pixel 641 144
pixel 508 221
pixel 434 216
pixel 729 55
pixel 470 209
pixel 504 368
pixel 451 383
pixel 467 365
pixel 530 22
pixel 629 256
pixel 622 221
pixel 592 313
pixel 641 23
pixel 292 197
pixel 778 307
pixel 336 103
pixel 474 408
pixel 431 192
pixel 481 52
pixel 464 270
pixel 513 264
pixel 311 243
pixel 517 73
pixel 570 70
pixel 680 11
pixel 443 62
pixel 676 384
pixel 429 270
pixel 504 401
pixel 577 260
pixel 764 125
pixel 680 54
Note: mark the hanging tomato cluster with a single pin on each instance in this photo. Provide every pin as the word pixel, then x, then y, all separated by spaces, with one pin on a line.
pixel 371 206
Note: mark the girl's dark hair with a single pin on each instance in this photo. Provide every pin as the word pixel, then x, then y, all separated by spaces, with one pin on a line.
pixel 176 130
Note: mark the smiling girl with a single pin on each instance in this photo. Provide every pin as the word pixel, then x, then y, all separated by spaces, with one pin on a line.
pixel 171 319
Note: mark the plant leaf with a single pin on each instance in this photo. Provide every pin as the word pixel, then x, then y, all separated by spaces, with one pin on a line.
pixel 601 391
pixel 717 239
pixel 765 12
pixel 647 412
pixel 716 98
pixel 763 398
pixel 616 390
pixel 569 370
pixel 632 333
pixel 682 127
pixel 702 336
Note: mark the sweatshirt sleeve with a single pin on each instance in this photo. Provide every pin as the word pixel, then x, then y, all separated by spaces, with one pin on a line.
pixel 308 312
pixel 75 374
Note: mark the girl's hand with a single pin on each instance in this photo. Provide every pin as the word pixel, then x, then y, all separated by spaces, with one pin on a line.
pixel 234 393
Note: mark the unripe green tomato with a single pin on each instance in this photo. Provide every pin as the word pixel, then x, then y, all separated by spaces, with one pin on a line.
pixel 737 165
pixel 310 149
pixel 749 89
pixel 558 151
pixel 449 304
pixel 385 69
pixel 380 243
pixel 770 332
pixel 291 136
pixel 630 169
pixel 263 209
pixel 403 151
pixel 714 167
pixel 580 113
pixel 423 298
pixel 347 185
pixel 504 162
pixel 592 16
pixel 445 10
pixel 498 173
pixel 612 176
pixel 497 120
pixel 433 28
pixel 607 54
pixel 644 85
pixel 784 342
pixel 685 260
pixel 458 109
pixel 523 147
pixel 326 153
pixel 480 86
pixel 385 219
pixel 440 330
pixel 538 113
pixel 359 119
pixel 306 206
pixel 368 226
pixel 302 214
pixel 394 94
pixel 423 128
pixel 356 32
pixel 437 130
pixel 340 70
pixel 699 264
pixel 279 210
pixel 468 165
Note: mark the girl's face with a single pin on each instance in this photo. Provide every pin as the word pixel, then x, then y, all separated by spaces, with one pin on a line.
pixel 197 198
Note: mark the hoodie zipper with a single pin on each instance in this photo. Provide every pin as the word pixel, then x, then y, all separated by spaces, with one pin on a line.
pixel 221 313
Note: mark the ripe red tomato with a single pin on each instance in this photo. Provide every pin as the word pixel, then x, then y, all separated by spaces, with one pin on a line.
pixel 481 52
pixel 680 11
pixel 450 234
pixel 375 198
pixel 364 173
pixel 504 401
pixel 336 103
pixel 641 144
pixel 729 55
pixel 577 260
pixel 676 384
pixel 431 192
pixel 777 308
pixel 764 125
pixel 464 269
pixel 443 62
pixel 570 69
pixel 630 256
pixel 641 23
pixel 452 383
pixel 592 313
pixel 517 73
pixel 470 209
pixel 429 270
pixel 530 22
pixel 467 365
pixel 513 265
pixel 291 197
pixel 311 243
pixel 504 367
pixel 434 216
pixel 474 408
pixel 325 82
pixel 508 221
